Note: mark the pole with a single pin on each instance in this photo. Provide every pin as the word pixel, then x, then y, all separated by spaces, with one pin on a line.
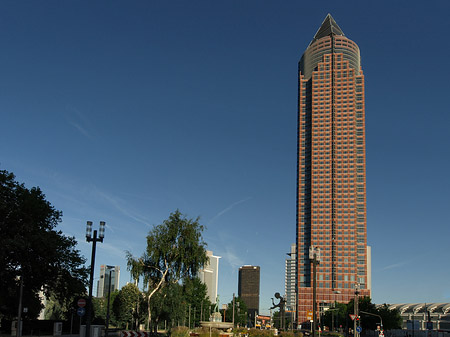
pixel 189 316
pixel 314 294
pixel 233 310
pixel 356 310
pixel 91 282
pixel 19 312
pixel 107 308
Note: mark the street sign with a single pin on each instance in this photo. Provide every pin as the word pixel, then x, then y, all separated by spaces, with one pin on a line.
pixel 81 311
pixel 81 302
pixel 429 325
pixel 309 315
pixel 358 328
pixel 352 317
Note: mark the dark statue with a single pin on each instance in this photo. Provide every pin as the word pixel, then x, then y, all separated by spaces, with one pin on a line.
pixel 280 305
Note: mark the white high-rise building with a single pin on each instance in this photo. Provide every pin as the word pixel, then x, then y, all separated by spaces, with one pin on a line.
pixel 289 285
pixel 209 275
pixel 104 281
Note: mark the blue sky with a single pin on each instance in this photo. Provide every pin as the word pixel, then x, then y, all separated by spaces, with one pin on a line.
pixel 126 111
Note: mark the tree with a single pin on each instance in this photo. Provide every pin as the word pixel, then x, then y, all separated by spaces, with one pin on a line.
pixel 32 249
pixel 175 251
pixel 125 306
pixel 240 312
pixel 391 318
pixel 196 295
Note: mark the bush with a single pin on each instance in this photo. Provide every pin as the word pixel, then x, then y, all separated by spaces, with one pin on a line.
pixel 260 333
pixel 204 332
pixel 286 334
pixel 180 331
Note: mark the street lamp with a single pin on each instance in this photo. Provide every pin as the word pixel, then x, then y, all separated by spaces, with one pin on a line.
pixel 93 239
pixel 369 313
pixel 336 292
pixel 314 255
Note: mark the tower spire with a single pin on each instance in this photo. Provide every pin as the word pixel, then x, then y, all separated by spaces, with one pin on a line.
pixel 328 27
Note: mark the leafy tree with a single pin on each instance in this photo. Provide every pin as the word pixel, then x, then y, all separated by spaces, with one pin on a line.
pixel 240 312
pixel 196 295
pixel 125 305
pixel 175 251
pixel 53 310
pixel 336 315
pixel 391 318
pixel 32 248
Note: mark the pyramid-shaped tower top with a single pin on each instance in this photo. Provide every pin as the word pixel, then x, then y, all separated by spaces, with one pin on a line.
pixel 328 27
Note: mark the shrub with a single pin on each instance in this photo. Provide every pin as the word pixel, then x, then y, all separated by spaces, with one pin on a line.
pixel 180 331
pixel 260 333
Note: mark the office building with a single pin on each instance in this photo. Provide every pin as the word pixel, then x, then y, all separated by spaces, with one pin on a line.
pixel 104 281
pixel 248 289
pixel 290 279
pixel 209 275
pixel 331 195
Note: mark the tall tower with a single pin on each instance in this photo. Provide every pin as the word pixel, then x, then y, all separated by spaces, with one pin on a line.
pixel 331 194
pixel 209 275
pixel 290 279
pixel 248 289
pixel 105 281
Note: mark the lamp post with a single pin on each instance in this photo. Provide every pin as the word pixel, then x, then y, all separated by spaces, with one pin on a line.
pixel 369 313
pixel 109 296
pixel 355 304
pixel 93 239
pixel 314 255
pixel 336 292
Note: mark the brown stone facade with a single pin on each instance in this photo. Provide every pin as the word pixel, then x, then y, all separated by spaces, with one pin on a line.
pixel 248 288
pixel 331 196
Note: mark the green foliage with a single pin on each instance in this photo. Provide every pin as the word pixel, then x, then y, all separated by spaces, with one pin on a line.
pixel 286 334
pixel 391 318
pixel 262 333
pixel 180 331
pixel 32 247
pixel 128 306
pixel 195 294
pixel 204 332
pixel 175 251
pixel 240 312
pixel 53 310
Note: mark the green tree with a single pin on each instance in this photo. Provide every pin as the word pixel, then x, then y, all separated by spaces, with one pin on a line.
pixel 175 251
pixel 196 295
pixel 240 312
pixel 336 316
pixel 391 318
pixel 125 305
pixel 32 248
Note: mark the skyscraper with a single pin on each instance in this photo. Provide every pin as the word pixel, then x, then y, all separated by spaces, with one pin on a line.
pixel 209 275
pixel 105 282
pixel 290 279
pixel 248 289
pixel 331 194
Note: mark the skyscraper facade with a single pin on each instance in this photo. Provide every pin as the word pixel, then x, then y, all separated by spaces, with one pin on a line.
pixel 290 279
pixel 331 194
pixel 105 281
pixel 209 275
pixel 248 289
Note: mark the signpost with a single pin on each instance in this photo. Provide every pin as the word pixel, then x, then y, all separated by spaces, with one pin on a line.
pixel 309 315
